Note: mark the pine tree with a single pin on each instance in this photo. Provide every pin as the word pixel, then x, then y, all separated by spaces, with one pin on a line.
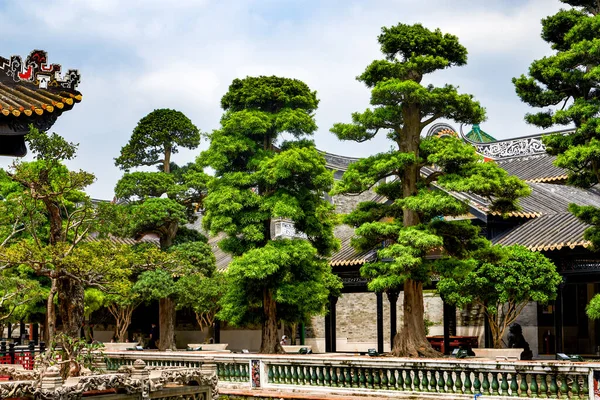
pixel 567 84
pixel 267 169
pixel 410 221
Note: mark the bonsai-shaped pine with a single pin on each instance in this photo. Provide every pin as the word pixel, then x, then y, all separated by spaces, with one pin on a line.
pixel 504 286
pixel 262 175
pixel 156 137
pixel 409 221
pixel 567 85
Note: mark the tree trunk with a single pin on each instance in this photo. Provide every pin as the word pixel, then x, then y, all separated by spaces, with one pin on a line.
pixel 50 325
pixel 166 315
pixel 167 160
pixel 411 341
pixel 269 342
pixel 70 306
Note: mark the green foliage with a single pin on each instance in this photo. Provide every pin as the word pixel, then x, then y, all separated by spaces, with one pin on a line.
pixel 565 85
pixel 93 301
pixel 593 308
pixel 202 294
pixel 502 286
pixel 158 134
pixel 260 176
pixel 155 285
pixel 16 293
pixel 72 354
pixel 300 280
pixel 410 175
pixel 143 185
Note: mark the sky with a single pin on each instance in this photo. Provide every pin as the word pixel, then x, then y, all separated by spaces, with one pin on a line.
pixel 135 56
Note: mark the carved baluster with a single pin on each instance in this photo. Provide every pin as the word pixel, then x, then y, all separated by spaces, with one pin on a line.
pixel 450 383
pixel 476 384
pixel 384 379
pixel 543 390
pixel 295 375
pixel 392 379
pixel 400 379
pixel 425 381
pixel 485 385
pixel 564 389
pixel 523 387
pixel 369 374
pixel 327 376
pixel 575 386
pixel 362 381
pixel 321 377
pixel 355 376
pixel 433 381
pixel 504 384
pixel 441 383
pixel 585 389
pixel 301 376
pixel 408 380
pixel 377 378
pixel 553 387
pixel 416 381
pixel 458 384
pixel 514 385
pixel 468 384
pixel 495 385
pixel 314 378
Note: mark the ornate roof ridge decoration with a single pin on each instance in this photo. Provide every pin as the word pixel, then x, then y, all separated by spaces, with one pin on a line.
pixel 338 162
pixel 514 147
pixel 37 72
pixel 32 92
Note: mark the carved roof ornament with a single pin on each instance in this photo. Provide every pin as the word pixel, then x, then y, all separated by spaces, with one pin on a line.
pixel 32 92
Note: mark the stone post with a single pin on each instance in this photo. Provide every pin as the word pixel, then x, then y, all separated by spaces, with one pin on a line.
pixel 51 379
pixel 139 371
pixel 209 366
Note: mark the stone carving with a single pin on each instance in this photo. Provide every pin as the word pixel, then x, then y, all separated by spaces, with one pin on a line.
pixel 136 381
pixel 17 373
pixel 512 148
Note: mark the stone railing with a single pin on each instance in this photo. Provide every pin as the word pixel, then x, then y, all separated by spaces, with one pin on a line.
pixel 360 375
pixel 135 381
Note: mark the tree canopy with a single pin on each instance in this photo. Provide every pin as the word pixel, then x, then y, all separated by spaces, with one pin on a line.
pixel 156 137
pixel 267 170
pixel 418 175
pixel 503 286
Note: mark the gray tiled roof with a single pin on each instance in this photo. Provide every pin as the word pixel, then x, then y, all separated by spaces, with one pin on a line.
pixel 534 168
pixel 548 232
pixel 555 227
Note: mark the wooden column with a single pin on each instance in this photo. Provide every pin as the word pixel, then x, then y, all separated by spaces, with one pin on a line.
pixel 558 319
pixel 379 322
pixel 393 299
pixel 449 325
pixel 330 326
pixel 217 331
pixel 332 313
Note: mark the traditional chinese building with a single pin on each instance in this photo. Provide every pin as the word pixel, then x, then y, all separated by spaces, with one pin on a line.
pixel 32 92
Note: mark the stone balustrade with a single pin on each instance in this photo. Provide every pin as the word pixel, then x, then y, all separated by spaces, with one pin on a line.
pixel 386 376
pixel 134 381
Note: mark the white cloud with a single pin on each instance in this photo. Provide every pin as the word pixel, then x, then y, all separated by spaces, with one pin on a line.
pixel 138 55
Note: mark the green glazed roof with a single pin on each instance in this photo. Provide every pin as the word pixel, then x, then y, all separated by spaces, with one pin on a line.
pixel 479 136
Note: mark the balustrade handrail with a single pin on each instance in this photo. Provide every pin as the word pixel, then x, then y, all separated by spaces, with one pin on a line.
pixel 362 374
pixel 541 366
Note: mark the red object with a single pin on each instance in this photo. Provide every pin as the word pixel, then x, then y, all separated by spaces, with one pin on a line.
pixel 27 75
pixel 437 342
